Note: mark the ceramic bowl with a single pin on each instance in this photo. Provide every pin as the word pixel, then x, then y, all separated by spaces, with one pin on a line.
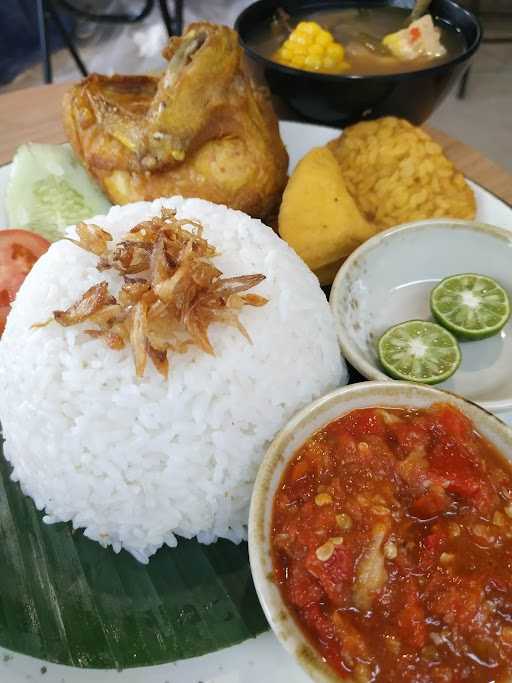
pixel 318 414
pixel 343 99
pixel 388 279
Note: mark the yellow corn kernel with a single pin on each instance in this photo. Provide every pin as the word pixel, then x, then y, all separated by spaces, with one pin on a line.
pixel 324 38
pixel 316 50
pixel 313 48
pixel 299 38
pixel 313 62
pixel 299 49
pixel 391 39
pixel 336 51
pixel 298 61
pixel 307 27
pixel 329 63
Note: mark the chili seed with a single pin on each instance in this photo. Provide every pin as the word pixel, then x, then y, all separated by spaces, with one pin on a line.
pixel 498 519
pixel 337 540
pixel 388 418
pixel 484 532
pixel 363 448
pixel 429 653
pixel 506 635
pixel 323 499
pixel 380 510
pixel 390 550
pixel 446 558
pixel 362 673
pixel 490 606
pixel 454 529
pixel 324 552
pixel 393 644
pixel 344 521
pixel 508 510
pixel 281 539
pixel 443 675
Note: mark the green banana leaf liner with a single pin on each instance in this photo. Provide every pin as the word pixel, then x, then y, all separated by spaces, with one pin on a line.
pixel 65 599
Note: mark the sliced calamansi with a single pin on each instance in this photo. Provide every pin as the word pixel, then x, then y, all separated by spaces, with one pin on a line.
pixel 471 306
pixel 419 351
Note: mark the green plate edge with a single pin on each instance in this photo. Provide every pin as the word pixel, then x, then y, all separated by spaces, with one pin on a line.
pixel 65 599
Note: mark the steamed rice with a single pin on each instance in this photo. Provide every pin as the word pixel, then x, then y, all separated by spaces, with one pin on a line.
pixel 138 462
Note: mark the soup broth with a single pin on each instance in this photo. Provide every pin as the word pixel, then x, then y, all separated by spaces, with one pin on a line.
pixel 361 31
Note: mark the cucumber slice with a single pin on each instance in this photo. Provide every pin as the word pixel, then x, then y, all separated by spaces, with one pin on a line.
pixel 49 189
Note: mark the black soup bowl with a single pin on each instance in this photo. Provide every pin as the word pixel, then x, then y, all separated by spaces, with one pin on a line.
pixel 343 99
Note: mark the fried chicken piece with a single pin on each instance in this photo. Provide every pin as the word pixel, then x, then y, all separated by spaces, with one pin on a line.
pixel 202 129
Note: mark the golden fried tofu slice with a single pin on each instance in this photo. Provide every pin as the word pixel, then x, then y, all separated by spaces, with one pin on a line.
pixel 318 217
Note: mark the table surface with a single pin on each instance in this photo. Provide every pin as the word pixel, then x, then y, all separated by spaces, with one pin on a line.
pixel 34 114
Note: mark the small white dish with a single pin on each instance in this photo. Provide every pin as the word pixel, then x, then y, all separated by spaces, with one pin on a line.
pixel 388 279
pixel 282 449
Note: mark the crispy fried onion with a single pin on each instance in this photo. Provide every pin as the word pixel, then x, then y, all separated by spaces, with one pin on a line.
pixel 172 292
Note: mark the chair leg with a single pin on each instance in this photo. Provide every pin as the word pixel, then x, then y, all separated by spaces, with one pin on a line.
pixel 463 85
pixel 174 25
pixel 42 27
pixel 67 38
pixel 178 17
pixel 167 19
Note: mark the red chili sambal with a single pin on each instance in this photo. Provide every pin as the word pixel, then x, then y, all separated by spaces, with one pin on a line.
pixel 392 547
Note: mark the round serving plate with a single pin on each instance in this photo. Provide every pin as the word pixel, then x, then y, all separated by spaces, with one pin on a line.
pixel 258 659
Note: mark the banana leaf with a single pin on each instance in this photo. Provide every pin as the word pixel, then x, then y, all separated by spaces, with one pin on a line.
pixel 65 599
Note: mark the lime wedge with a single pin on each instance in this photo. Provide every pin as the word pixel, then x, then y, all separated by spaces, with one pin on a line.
pixel 419 351
pixel 471 306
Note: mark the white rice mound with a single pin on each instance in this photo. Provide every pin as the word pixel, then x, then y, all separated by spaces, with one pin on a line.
pixel 138 463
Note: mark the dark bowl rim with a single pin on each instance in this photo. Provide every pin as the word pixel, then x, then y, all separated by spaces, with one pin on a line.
pixel 347 78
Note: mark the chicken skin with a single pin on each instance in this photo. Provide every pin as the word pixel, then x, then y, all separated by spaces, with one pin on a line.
pixel 202 129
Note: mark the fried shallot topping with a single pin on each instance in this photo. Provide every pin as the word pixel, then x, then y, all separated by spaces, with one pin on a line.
pixel 172 292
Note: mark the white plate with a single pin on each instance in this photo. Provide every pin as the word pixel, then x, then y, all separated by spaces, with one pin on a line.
pixel 254 661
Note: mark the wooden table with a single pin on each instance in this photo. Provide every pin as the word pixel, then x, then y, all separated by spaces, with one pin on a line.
pixel 34 115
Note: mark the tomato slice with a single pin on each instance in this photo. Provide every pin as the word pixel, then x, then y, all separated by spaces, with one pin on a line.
pixel 19 250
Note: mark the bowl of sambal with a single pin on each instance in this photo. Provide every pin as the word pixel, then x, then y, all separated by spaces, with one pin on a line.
pixel 380 537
